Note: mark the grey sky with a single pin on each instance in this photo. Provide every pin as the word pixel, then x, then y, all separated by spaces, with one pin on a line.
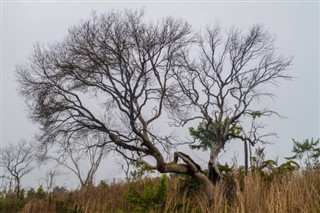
pixel 295 24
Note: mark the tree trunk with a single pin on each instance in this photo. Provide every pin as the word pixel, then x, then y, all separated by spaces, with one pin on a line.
pixel 214 173
pixel 206 184
pixel 204 181
pixel 250 157
pixel 192 169
pixel 17 187
pixel 246 166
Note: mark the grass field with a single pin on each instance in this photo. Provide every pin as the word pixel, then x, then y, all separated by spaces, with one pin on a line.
pixel 297 192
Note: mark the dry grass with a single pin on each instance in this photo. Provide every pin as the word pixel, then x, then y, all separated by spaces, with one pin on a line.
pixel 291 193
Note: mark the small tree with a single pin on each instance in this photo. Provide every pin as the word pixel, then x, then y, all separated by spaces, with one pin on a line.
pixel 49 179
pixel 17 160
pixel 82 157
pixel 309 151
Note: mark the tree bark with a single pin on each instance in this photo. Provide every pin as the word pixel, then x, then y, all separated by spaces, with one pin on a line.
pixel 192 169
pixel 17 188
pixel 206 184
pixel 246 164
pixel 214 173
pixel 204 181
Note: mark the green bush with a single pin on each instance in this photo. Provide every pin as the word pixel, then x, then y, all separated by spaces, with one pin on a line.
pixel 269 169
pixel 103 184
pixel 153 197
pixel 31 194
pixel 40 194
pixel 10 203
pixel 65 207
pixel 188 185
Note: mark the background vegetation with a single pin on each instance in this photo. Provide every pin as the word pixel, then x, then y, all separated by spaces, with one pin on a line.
pixel 267 188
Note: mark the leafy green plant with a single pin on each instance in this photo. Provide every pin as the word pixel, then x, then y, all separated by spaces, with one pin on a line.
pixel 11 203
pixel 188 185
pixel 40 194
pixel 21 194
pixel 269 169
pixel 65 207
pixel 103 184
pixel 309 150
pixel 137 171
pixel 225 169
pixel 31 193
pixel 59 190
pixel 256 114
pixel 288 167
pixel 68 205
pixel 206 135
pixel 153 197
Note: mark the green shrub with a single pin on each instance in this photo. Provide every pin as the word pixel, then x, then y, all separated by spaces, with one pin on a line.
pixel 11 204
pixel 103 184
pixel 269 169
pixel 68 205
pixel 40 194
pixel 153 197
pixel 188 185
pixel 31 194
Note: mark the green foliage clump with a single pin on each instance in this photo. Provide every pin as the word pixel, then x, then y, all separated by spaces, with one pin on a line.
pixel 40 194
pixel 308 150
pixel 225 169
pixel 206 133
pixel 65 207
pixel 138 172
pixel 68 205
pixel 256 114
pixel 103 184
pixel 21 194
pixel 288 167
pixel 153 197
pixel 59 190
pixel 31 194
pixel 11 204
pixel 188 185
pixel 269 169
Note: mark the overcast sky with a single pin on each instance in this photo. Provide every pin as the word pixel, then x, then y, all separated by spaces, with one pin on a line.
pixel 296 26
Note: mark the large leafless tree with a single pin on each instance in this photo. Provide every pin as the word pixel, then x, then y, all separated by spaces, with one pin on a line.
pixel 18 161
pixel 118 75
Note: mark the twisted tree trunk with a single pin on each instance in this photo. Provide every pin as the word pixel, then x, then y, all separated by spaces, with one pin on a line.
pixel 194 170
pixel 214 173
pixel 206 184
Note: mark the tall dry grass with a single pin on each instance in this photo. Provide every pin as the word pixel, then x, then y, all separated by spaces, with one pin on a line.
pixel 299 192
pixel 290 193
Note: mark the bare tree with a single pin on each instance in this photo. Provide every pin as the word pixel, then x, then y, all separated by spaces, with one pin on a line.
pixel 49 179
pixel 6 184
pixel 82 157
pixel 117 75
pixel 17 160
pixel 222 85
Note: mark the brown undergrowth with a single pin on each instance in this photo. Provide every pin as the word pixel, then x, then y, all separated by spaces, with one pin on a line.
pixel 297 192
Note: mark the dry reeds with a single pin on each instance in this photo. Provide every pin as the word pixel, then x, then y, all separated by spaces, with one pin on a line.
pixel 298 192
